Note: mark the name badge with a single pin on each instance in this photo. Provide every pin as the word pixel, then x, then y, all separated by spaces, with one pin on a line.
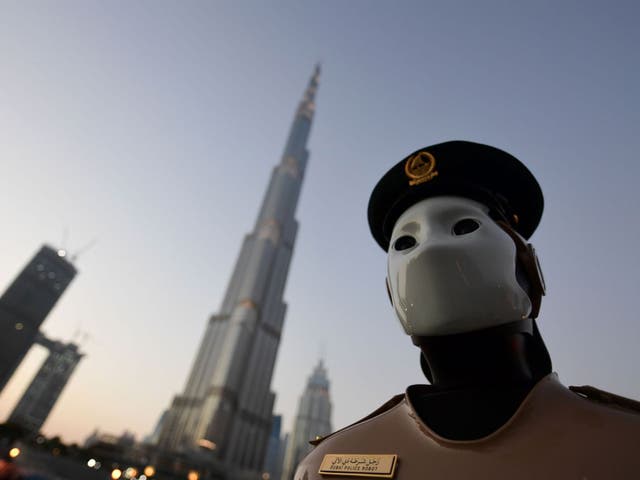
pixel 359 465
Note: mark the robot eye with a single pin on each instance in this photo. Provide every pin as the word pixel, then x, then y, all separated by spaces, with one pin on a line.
pixel 404 242
pixel 464 226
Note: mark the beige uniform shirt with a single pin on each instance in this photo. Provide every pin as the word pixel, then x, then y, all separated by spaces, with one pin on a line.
pixel 554 434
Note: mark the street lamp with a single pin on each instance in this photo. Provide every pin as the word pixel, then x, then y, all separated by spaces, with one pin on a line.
pixel 149 471
pixel 193 475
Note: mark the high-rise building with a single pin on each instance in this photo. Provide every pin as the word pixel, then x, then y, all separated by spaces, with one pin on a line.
pixel 41 395
pixel 227 404
pixel 272 469
pixel 284 447
pixel 313 419
pixel 153 437
pixel 27 302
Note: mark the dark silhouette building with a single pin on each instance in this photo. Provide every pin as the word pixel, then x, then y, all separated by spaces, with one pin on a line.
pixel 42 394
pixel 27 302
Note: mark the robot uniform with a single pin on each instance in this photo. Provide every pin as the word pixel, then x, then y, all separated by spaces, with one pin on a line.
pixel 556 433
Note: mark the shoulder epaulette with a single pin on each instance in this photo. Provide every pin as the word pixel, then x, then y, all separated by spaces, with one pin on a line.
pixel 386 406
pixel 607 398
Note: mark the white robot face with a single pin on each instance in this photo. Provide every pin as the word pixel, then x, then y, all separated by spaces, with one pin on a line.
pixel 452 269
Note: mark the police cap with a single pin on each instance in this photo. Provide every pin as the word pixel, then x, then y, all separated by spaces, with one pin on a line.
pixel 480 172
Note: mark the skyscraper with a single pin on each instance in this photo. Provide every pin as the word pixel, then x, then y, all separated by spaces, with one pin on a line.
pixel 227 404
pixel 313 419
pixel 275 451
pixel 41 395
pixel 27 302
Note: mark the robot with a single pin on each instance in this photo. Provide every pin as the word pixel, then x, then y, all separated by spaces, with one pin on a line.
pixel 455 219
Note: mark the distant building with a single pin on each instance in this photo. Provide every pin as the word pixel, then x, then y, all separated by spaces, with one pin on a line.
pixel 115 449
pixel 224 412
pixel 285 446
pixel 153 437
pixel 126 439
pixel 312 420
pixel 42 394
pixel 27 302
pixel 274 458
pixel 96 438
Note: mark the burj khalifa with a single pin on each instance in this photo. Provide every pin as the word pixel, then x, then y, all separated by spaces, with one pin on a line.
pixel 227 404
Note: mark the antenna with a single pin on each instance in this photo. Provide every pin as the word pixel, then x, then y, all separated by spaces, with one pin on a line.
pixel 80 337
pixel 322 350
pixel 75 256
pixel 65 237
pixel 77 333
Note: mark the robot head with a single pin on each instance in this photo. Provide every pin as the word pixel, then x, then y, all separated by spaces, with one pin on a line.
pixel 452 269
pixel 454 218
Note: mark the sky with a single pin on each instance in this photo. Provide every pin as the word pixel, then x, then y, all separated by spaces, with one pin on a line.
pixel 153 127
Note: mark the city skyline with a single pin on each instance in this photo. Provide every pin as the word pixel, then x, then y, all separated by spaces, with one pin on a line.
pixel 154 129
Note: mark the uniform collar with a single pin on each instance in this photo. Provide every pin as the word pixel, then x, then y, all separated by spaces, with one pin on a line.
pixel 544 387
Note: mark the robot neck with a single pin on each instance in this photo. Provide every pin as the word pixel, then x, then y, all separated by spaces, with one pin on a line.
pixel 477 359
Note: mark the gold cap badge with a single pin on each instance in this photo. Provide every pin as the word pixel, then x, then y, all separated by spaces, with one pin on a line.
pixel 420 168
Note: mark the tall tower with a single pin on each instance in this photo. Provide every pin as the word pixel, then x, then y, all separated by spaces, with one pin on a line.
pixel 27 302
pixel 42 394
pixel 227 404
pixel 312 420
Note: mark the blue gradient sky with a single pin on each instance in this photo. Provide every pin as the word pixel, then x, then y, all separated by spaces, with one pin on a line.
pixel 153 127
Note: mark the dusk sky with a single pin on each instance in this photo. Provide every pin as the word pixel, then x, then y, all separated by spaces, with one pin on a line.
pixel 153 127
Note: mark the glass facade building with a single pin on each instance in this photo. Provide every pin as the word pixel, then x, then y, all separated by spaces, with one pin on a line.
pixel 226 406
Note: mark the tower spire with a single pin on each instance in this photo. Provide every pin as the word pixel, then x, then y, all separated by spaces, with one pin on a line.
pixel 307 104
